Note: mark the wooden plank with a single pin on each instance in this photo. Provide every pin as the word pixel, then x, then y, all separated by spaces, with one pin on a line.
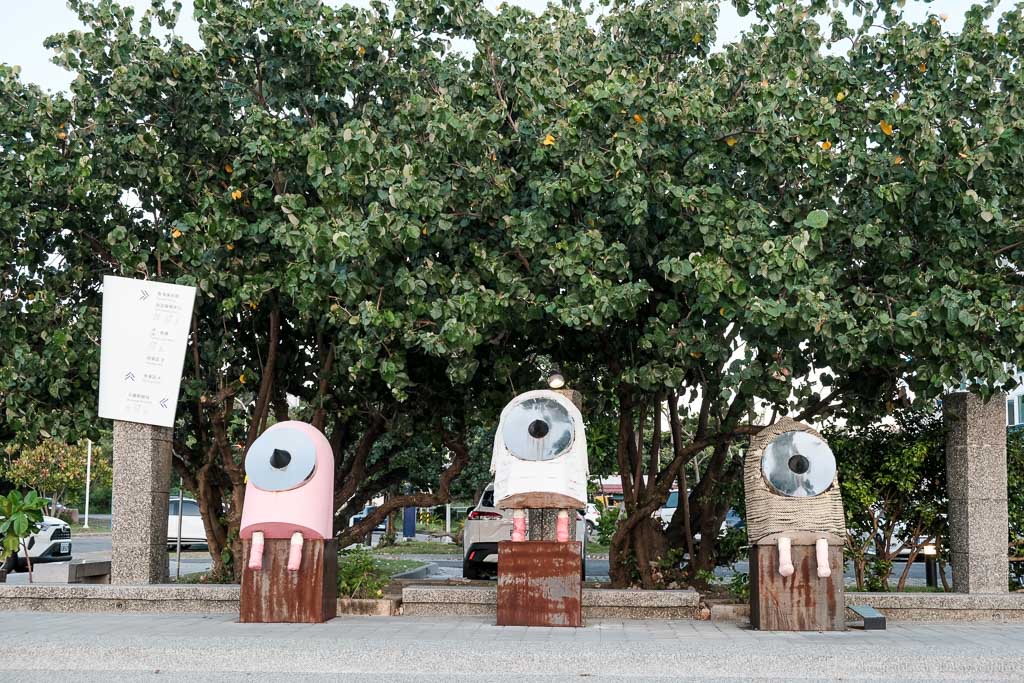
pixel 801 602
pixel 539 584
pixel 543 500
pixel 276 595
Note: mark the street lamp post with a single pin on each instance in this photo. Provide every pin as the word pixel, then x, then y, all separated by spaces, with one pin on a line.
pixel 88 478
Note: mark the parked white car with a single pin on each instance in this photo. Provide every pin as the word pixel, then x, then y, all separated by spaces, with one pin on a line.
pixel 485 526
pixel 664 515
pixel 193 532
pixel 52 543
pixel 592 516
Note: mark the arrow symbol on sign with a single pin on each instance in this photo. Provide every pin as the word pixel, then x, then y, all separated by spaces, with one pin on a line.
pixel 130 376
pixel 144 295
pixel 163 403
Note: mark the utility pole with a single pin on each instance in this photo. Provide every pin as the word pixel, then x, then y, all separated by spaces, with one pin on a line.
pixel 88 478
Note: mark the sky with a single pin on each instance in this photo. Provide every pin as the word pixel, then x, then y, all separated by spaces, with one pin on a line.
pixel 25 24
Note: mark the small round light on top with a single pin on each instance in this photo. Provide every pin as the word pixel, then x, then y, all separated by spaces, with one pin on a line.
pixel 556 381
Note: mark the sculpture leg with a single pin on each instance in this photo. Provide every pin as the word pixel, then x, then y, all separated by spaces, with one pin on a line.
pixel 256 552
pixel 518 525
pixel 785 556
pixel 562 526
pixel 295 552
pixel 821 553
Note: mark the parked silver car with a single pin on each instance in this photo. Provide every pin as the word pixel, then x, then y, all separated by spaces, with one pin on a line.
pixel 485 526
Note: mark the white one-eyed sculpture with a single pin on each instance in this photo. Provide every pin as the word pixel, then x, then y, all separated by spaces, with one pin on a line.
pixel 540 459
pixel 796 528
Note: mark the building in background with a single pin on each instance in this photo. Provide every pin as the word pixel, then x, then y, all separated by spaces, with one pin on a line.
pixel 1015 403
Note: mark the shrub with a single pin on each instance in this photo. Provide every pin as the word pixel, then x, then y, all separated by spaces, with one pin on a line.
pixel 607 522
pixel 359 576
pixel 20 517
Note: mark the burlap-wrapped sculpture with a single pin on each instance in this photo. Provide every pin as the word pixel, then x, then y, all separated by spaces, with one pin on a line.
pixel 796 528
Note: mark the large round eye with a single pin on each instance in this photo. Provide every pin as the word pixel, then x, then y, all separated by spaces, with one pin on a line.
pixel 798 464
pixel 537 429
pixel 281 459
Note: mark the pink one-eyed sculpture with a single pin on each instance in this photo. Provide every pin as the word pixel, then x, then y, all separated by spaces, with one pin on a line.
pixel 289 512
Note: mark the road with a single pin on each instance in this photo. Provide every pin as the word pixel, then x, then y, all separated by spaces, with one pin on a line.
pixel 98 547
pixel 448 566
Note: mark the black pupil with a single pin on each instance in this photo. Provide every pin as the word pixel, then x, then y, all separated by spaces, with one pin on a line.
pixel 799 464
pixel 538 429
pixel 279 459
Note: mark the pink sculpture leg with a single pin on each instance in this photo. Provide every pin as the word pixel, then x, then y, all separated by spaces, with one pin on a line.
pixel 295 552
pixel 256 552
pixel 821 553
pixel 785 556
pixel 518 526
pixel 562 526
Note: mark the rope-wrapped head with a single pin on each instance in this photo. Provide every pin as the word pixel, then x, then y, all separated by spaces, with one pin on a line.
pixel 791 484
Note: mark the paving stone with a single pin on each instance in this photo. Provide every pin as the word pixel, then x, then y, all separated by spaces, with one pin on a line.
pixel 104 647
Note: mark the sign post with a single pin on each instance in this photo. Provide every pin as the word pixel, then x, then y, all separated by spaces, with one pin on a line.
pixel 142 350
pixel 142 353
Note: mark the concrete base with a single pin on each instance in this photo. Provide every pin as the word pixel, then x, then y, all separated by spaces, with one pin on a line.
pixel 952 607
pixel 172 598
pixel 166 598
pixel 369 608
pixel 441 601
pixel 141 490
pixel 948 607
pixel 598 603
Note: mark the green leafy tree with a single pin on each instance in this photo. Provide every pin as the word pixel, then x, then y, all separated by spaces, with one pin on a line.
pixel 893 481
pixel 401 235
pixel 282 169
pixel 20 517
pixel 57 469
pixel 801 222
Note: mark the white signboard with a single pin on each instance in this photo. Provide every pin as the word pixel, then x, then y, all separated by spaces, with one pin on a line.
pixel 142 350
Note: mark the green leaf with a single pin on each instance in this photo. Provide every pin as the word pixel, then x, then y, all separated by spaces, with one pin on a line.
pixel 817 219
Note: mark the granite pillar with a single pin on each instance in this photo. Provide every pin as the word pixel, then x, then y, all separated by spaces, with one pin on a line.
pixel 542 524
pixel 976 479
pixel 141 492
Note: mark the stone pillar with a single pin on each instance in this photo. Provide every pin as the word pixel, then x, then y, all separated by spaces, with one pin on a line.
pixel 976 479
pixel 141 490
pixel 542 524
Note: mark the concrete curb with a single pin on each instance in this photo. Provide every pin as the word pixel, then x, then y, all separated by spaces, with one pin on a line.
pixel 163 598
pixel 1001 607
pixel 423 600
pixel 944 606
pixel 598 603
pixel 420 572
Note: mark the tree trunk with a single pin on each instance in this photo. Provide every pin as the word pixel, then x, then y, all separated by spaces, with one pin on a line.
pixel 28 560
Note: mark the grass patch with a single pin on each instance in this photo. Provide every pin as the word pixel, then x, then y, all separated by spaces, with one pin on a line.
pixel 595 548
pixel 201 577
pixel 419 548
pixel 95 527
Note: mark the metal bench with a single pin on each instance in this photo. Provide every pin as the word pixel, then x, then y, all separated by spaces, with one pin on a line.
pixel 873 619
pixel 89 571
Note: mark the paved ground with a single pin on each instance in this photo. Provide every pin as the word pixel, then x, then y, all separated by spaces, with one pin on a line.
pixel 103 647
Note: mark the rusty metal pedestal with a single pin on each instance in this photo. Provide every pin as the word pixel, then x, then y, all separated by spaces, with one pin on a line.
pixel 801 602
pixel 539 584
pixel 274 594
